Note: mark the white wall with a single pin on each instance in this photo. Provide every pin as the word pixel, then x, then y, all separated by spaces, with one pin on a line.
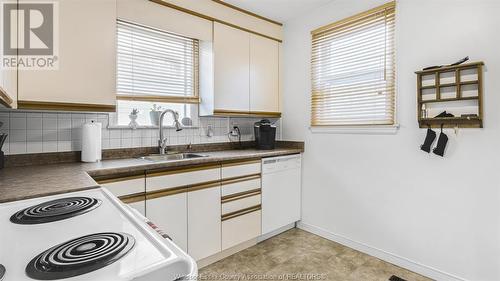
pixel 381 194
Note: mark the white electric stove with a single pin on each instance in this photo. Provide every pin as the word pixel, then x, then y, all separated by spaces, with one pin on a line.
pixel 88 235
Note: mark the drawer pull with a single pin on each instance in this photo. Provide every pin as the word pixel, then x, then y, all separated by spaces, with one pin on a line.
pixel 240 195
pixel 166 192
pixel 181 170
pixel 181 189
pixel 133 198
pixel 104 180
pixel 240 179
pixel 240 213
pixel 239 163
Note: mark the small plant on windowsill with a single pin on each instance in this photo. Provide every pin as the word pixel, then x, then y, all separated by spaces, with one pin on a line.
pixel 154 114
pixel 133 118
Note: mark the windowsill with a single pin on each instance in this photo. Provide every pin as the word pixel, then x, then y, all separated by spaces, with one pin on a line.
pixel 357 130
pixel 148 127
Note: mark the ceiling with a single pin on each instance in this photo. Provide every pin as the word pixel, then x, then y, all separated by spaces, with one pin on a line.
pixel 278 10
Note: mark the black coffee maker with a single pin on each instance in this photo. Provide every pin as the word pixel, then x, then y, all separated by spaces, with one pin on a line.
pixel 265 134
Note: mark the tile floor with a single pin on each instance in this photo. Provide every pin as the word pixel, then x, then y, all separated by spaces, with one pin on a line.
pixel 299 255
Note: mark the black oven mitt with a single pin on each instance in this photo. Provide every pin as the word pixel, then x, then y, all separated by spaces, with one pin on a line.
pixel 441 145
pixel 429 139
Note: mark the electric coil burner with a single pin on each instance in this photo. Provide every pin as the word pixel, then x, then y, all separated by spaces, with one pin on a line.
pixel 79 256
pixel 2 272
pixel 55 210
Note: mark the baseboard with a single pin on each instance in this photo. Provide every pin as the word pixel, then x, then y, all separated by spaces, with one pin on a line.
pixel 226 253
pixel 381 254
pixel 275 232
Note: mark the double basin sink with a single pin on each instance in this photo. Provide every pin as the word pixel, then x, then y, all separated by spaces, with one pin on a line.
pixel 171 157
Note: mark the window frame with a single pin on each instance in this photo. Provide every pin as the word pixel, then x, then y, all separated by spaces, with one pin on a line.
pixel 366 128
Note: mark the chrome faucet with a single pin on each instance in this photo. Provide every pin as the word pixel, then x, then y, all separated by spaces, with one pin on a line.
pixel 162 142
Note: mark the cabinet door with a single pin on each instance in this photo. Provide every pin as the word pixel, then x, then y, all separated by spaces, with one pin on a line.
pixel 132 186
pixel 204 222
pixel 231 68
pixel 87 60
pixel 169 213
pixel 240 229
pixel 139 206
pixel 264 74
pixel 8 74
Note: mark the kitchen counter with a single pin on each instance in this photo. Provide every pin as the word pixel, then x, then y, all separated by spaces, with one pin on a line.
pixel 17 183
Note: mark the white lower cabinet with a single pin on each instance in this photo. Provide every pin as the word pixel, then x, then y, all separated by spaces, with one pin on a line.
pixel 207 209
pixel 204 224
pixel 130 190
pixel 240 229
pixel 169 212
pixel 139 206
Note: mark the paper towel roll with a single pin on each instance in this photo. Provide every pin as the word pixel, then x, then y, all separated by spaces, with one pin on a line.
pixel 91 142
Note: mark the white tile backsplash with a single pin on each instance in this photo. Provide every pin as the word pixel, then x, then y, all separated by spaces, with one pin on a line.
pixel 38 132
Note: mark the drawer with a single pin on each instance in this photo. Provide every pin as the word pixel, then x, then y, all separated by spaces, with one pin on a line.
pixel 124 187
pixel 242 202
pixel 136 201
pixel 240 169
pixel 241 228
pixel 240 185
pixel 176 178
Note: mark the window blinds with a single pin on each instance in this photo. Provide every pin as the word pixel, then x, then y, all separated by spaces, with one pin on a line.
pixel 353 70
pixel 154 65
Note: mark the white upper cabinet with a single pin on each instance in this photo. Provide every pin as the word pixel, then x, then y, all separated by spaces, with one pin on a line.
pixel 264 74
pixel 231 69
pixel 245 74
pixel 86 53
pixel 8 73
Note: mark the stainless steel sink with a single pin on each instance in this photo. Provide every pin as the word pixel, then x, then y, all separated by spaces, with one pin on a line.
pixel 171 157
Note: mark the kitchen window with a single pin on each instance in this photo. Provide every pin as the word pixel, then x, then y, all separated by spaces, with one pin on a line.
pixel 353 71
pixel 155 70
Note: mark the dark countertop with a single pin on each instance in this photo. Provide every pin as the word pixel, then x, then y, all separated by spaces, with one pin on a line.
pixel 17 183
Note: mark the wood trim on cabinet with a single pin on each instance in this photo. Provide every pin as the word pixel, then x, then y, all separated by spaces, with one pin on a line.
pixel 118 179
pixel 133 198
pixel 181 189
pixel 190 100
pixel 180 170
pixel 223 112
pixel 193 13
pixel 240 162
pixel 200 186
pixel 40 105
pixel 166 192
pixel 240 179
pixel 247 12
pixel 241 212
pixel 240 195
pixel 5 99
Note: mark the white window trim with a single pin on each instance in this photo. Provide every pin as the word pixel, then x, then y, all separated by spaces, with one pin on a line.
pixel 357 130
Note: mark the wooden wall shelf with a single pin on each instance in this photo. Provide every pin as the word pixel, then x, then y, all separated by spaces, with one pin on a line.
pixel 434 83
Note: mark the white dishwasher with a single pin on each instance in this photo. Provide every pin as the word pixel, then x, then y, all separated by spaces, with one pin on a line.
pixel 281 191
